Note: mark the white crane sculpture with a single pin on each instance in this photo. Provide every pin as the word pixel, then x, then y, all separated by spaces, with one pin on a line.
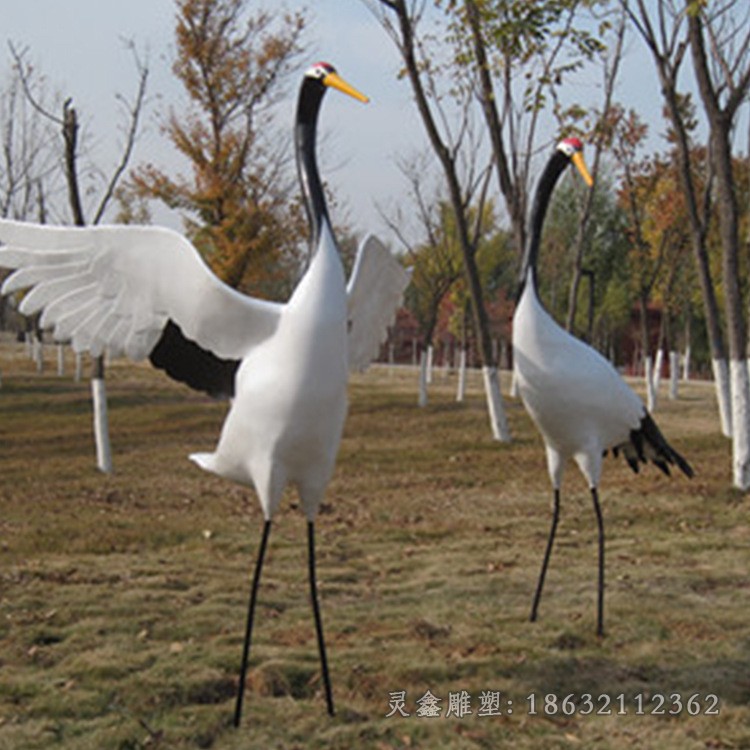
pixel 145 291
pixel 576 398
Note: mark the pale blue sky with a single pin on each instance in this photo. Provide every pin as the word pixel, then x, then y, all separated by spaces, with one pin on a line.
pixel 77 46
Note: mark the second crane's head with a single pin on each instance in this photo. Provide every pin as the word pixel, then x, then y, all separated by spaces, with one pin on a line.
pixel 568 150
pixel 572 148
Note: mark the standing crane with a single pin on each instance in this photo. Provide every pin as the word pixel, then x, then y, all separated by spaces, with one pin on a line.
pixel 576 398
pixel 146 292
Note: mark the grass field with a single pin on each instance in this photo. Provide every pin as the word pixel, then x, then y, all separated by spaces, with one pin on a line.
pixel 123 597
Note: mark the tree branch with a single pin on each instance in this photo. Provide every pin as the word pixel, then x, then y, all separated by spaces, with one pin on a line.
pixel 135 113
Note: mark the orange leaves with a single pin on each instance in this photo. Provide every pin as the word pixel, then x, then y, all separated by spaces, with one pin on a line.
pixel 231 61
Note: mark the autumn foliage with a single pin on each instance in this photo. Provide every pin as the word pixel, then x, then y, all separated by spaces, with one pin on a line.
pixel 236 199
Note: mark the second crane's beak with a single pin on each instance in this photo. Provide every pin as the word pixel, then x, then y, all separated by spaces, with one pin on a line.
pixel 582 168
pixel 334 80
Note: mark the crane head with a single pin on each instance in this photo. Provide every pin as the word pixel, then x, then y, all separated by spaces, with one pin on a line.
pixel 327 75
pixel 573 149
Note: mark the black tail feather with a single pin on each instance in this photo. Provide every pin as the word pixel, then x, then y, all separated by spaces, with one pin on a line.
pixel 636 438
pixel 633 464
pixel 652 436
pixel 648 444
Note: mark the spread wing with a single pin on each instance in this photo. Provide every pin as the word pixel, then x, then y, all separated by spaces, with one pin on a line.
pixel 375 290
pixel 116 287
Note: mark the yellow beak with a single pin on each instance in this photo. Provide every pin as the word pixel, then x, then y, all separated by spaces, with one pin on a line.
pixel 582 168
pixel 334 80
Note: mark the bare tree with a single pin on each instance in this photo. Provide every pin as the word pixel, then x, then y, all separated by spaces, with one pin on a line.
pixel 27 160
pixel 663 32
pixel 610 66
pixel 68 125
pixel 434 256
pixel 717 38
pixel 401 20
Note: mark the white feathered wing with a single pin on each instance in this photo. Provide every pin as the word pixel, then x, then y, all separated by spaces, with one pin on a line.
pixel 374 292
pixel 115 287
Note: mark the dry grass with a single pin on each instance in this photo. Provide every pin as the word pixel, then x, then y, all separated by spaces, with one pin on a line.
pixel 122 598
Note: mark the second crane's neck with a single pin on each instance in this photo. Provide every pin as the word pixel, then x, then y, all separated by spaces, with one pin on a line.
pixel 551 174
pixel 308 108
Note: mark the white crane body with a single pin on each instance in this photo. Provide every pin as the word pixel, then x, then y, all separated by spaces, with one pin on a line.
pixel 146 292
pixel 576 398
pixel 294 386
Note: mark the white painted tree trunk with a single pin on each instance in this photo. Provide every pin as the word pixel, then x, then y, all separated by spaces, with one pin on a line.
pixel 658 369
pixel 740 388
pixel 686 364
pixel 498 420
pixel 60 360
pixel 723 394
pixel 513 384
pixel 430 353
pixel 674 375
pixel 422 397
pixel 461 390
pixel 648 376
pixel 39 355
pixel 101 425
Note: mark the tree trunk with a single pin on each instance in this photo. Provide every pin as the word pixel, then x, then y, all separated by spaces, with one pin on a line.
pixel 461 388
pixel 514 200
pixel 720 124
pixel 610 76
pixel 720 369
pixel 101 425
pixel 98 386
pixel 648 379
pixel 667 69
pixel 498 422
pixel 674 375
pixel 648 370
pixel 423 364
pixel 430 364
pixel 448 162
pixel 687 352
pixel 740 428
pixel 658 369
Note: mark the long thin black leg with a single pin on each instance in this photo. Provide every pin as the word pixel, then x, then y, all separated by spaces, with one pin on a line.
pixel 316 612
pixel 600 603
pixel 249 625
pixel 548 552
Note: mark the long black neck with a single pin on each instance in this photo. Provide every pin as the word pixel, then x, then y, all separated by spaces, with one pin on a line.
pixel 555 167
pixel 308 107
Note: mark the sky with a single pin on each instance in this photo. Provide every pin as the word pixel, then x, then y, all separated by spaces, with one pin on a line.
pixel 78 46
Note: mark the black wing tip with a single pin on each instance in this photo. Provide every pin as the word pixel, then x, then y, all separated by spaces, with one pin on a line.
pixel 186 362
